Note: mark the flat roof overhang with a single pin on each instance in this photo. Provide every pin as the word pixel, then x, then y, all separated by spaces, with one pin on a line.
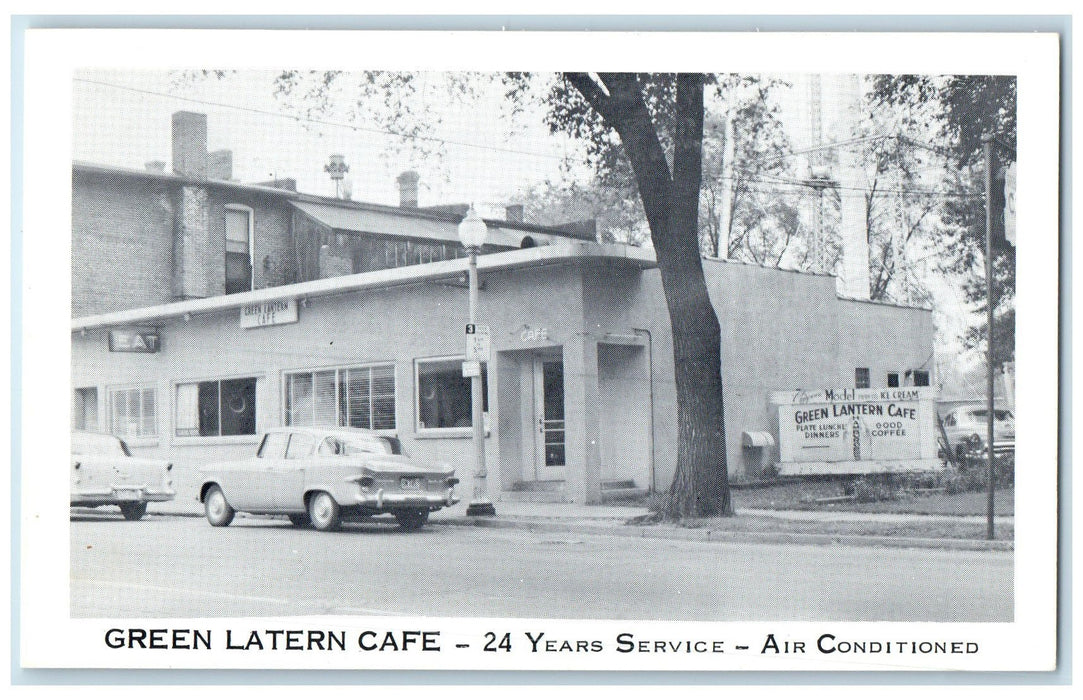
pixel 524 259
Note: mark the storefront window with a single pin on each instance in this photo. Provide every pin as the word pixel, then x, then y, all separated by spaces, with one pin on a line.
pixel 133 412
pixel 358 397
pixel 443 394
pixel 85 409
pixel 218 407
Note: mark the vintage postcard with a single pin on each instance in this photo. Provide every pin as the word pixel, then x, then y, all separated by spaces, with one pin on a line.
pixel 661 351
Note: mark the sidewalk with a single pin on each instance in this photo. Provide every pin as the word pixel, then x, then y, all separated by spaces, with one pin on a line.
pixel 611 520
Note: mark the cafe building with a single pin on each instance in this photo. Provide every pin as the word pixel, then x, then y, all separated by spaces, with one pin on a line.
pixel 579 402
pixel 206 311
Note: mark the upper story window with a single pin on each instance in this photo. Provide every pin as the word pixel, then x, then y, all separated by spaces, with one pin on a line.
pixel 861 378
pixel 381 254
pixel 238 249
pixel 921 377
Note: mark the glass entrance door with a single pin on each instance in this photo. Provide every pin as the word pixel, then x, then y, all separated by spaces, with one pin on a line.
pixel 548 419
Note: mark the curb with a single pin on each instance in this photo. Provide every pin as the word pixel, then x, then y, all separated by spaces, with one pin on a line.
pixel 707 535
pixel 702 534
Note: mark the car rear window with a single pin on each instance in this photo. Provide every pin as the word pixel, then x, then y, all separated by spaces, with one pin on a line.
pixel 91 444
pixel 359 445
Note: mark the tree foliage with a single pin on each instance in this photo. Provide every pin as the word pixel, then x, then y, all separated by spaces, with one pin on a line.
pixel 406 109
pixel 965 108
pixel 762 226
pixel 745 152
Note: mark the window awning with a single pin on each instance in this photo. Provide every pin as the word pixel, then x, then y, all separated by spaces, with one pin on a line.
pixel 757 438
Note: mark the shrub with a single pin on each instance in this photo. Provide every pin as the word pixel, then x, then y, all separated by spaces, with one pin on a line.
pixel 872 488
pixel 974 471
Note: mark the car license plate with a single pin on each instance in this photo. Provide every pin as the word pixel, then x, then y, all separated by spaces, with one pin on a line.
pixel 410 483
pixel 127 494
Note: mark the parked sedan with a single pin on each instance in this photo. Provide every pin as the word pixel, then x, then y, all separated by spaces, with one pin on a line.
pixel 966 430
pixel 322 476
pixel 104 473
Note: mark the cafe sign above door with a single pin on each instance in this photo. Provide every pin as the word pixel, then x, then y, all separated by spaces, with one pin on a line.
pixel 269 313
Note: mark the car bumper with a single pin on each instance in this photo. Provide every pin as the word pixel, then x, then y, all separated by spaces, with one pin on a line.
pixel 121 494
pixel 381 499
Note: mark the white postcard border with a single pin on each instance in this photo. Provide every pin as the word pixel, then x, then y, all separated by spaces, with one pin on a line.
pixel 50 639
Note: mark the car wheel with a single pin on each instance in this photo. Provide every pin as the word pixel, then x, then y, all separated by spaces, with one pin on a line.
pixel 324 512
pixel 411 519
pixel 299 519
pixel 133 511
pixel 219 512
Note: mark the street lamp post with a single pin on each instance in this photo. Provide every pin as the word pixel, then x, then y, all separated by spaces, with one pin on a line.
pixel 472 233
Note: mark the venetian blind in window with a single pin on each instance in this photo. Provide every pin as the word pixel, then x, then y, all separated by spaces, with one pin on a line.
pixel 359 397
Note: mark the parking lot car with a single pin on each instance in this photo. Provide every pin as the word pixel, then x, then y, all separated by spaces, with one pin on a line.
pixel 966 430
pixel 322 476
pixel 104 473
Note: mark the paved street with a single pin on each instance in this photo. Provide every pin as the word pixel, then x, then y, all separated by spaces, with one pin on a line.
pixel 170 566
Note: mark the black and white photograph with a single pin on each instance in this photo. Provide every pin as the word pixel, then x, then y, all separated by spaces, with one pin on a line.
pixel 642 357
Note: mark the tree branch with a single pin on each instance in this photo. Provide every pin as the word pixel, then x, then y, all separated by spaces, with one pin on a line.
pixel 592 92
pixel 627 114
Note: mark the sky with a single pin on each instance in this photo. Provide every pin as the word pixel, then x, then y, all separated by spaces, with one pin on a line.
pixel 490 158
pixel 123 118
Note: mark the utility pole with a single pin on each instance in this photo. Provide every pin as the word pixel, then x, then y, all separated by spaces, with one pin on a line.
pixel 987 147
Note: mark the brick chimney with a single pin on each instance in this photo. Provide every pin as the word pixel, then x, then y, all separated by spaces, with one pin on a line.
pixel 408 188
pixel 190 144
pixel 514 212
pixel 220 165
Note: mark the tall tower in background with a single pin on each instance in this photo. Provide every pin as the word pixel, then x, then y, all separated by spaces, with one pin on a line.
pixel 818 172
pixel 839 169
pixel 853 279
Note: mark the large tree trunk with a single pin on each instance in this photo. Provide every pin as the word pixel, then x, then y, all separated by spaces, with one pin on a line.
pixel 700 485
pixel 671 202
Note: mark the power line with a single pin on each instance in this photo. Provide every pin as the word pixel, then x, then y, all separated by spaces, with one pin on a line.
pixel 800 185
pixel 321 122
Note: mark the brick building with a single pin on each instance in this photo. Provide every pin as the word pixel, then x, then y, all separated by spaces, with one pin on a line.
pixel 147 237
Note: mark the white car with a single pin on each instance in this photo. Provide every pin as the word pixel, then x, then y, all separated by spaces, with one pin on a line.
pixel 322 476
pixel 104 473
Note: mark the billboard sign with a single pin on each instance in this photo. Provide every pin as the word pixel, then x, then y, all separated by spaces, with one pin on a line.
pixel 856 431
